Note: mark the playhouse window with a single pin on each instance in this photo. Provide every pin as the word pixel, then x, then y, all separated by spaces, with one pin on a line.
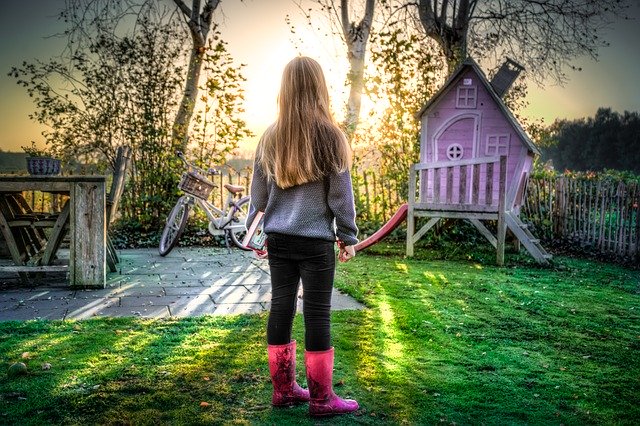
pixel 466 97
pixel 455 151
pixel 497 145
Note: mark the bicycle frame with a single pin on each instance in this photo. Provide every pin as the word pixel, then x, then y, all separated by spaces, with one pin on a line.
pixel 220 219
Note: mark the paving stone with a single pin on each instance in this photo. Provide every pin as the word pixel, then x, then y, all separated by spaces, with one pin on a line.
pixel 247 278
pixel 191 291
pixel 30 312
pixel 236 294
pixel 131 289
pixel 169 269
pixel 132 301
pixel 238 308
pixel 95 293
pixel 262 293
pixel 182 283
pixel 186 306
pixel 121 311
pixel 179 275
pixel 36 294
pixel 90 307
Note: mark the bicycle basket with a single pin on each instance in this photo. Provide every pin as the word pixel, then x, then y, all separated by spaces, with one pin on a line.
pixel 196 184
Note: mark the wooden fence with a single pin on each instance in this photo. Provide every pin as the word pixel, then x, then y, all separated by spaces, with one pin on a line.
pixel 377 198
pixel 231 176
pixel 601 215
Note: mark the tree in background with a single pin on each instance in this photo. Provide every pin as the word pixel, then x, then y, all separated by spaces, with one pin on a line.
pixel 405 74
pixel 217 128
pixel 608 140
pixel 85 17
pixel 543 36
pixel 355 35
pixel 199 23
pixel 123 86
pixel 116 91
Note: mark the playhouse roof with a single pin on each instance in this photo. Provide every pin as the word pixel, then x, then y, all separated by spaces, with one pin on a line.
pixel 455 76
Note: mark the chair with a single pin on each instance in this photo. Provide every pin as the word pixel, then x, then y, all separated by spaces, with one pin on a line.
pixel 123 158
pixel 22 240
pixel 60 222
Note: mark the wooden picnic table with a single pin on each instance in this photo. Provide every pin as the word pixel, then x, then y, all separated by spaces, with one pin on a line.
pixel 83 215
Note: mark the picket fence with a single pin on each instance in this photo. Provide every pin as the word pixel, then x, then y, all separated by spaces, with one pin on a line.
pixel 597 215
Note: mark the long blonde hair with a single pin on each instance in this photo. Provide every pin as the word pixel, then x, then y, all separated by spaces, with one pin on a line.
pixel 305 143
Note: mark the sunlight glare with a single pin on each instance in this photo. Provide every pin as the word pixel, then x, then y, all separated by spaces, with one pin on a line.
pixel 393 348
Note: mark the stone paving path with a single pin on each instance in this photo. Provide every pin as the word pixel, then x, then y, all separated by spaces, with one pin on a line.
pixel 187 282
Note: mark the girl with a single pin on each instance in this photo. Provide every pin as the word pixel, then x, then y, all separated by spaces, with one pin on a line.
pixel 302 184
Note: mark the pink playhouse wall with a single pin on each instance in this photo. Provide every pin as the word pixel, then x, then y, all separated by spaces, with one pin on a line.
pixel 467 121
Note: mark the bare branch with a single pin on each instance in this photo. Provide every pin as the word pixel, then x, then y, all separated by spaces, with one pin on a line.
pixel 344 19
pixel 183 7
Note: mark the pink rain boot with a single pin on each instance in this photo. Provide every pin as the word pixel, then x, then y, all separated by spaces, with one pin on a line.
pixel 282 366
pixel 319 378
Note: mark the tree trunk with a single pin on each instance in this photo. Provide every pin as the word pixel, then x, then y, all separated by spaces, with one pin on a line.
pixel 451 36
pixel 199 25
pixel 356 37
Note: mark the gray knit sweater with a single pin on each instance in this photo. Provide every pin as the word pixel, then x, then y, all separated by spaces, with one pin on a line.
pixel 322 209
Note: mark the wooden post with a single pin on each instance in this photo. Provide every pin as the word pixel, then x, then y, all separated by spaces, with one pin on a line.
pixel 87 258
pixel 489 184
pixel 410 211
pixel 502 226
pixel 462 199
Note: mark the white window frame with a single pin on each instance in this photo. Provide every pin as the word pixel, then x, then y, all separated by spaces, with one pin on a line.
pixel 460 150
pixel 497 144
pixel 470 98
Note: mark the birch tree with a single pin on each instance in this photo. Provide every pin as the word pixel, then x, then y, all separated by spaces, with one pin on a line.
pixel 355 35
pixel 199 21
pixel 85 16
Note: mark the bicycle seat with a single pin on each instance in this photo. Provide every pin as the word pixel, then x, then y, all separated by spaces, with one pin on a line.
pixel 234 189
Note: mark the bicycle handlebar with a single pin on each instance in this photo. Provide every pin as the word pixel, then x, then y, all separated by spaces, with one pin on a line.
pixel 189 165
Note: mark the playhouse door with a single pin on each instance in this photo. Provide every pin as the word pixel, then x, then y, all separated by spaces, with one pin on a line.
pixel 457 139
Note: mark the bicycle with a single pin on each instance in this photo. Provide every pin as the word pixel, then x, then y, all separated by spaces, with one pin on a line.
pixel 228 221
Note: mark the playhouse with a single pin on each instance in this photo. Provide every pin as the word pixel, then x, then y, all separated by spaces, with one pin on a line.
pixel 475 159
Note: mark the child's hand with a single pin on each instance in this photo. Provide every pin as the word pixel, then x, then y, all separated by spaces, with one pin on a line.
pixel 346 253
pixel 261 254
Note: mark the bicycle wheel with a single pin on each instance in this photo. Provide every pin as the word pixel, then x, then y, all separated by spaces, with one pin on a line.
pixel 176 222
pixel 237 228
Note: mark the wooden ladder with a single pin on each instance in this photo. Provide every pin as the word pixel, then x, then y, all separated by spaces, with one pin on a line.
pixel 530 242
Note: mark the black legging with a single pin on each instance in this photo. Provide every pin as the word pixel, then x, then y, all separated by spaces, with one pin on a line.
pixel 290 260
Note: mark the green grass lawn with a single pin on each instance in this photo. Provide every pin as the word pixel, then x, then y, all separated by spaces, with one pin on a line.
pixel 442 341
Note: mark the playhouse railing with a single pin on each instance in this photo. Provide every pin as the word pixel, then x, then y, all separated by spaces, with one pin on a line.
pixel 464 186
pixel 467 189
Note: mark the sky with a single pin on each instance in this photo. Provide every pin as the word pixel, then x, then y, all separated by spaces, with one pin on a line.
pixel 259 37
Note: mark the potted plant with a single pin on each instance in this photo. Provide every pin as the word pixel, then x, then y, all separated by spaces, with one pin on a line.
pixel 40 161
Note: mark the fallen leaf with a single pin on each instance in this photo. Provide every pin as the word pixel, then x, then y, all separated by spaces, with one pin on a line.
pixel 46 366
pixel 206 379
pixel 26 355
pixel 205 404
